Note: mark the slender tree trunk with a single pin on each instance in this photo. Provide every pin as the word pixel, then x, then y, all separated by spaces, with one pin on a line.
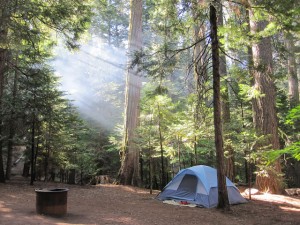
pixel 178 152
pixel 46 165
pixel 200 68
pixel 10 147
pixel 109 26
pixel 163 172
pixel 292 175
pixel 265 118
pixel 12 129
pixel 48 149
pixel 32 167
pixel 2 174
pixel 222 189
pixel 3 68
pixel 225 105
pixel 129 171
pixel 150 168
pixel 223 73
pixel 195 151
pixel 36 150
pixel 249 165
pixel 292 72
pixel 150 157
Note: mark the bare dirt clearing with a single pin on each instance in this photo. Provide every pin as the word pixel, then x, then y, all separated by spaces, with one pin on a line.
pixel 111 204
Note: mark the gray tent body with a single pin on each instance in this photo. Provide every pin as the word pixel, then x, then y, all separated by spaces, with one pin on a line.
pixel 198 185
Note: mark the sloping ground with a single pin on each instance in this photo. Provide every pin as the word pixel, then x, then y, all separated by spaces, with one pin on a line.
pixel 111 204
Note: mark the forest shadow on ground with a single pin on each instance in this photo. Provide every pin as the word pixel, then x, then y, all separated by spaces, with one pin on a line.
pixel 112 204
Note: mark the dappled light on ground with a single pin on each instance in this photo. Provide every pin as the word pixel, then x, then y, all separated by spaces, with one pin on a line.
pixel 290 209
pixel 121 220
pixel 286 203
pixel 115 204
pixel 130 189
pixel 3 208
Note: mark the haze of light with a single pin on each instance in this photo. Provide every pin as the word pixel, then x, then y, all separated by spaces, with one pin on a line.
pixel 93 78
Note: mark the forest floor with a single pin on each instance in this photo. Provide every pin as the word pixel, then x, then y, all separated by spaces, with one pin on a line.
pixel 112 204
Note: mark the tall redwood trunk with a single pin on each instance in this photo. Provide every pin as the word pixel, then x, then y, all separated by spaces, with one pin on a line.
pixel 223 201
pixel 129 172
pixel 265 118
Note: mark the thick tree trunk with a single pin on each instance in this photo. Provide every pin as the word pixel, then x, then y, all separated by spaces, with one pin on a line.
pixel 129 171
pixel 265 118
pixel 222 190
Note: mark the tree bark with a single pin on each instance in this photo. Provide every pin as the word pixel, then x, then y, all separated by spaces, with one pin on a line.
pixel 265 118
pixel 222 190
pixel 129 171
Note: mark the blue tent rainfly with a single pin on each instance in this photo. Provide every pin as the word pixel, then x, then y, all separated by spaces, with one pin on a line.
pixel 199 185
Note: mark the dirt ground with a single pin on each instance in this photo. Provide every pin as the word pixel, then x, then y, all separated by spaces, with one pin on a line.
pixel 111 204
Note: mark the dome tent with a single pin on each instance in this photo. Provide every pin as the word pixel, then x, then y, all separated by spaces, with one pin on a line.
pixel 198 185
